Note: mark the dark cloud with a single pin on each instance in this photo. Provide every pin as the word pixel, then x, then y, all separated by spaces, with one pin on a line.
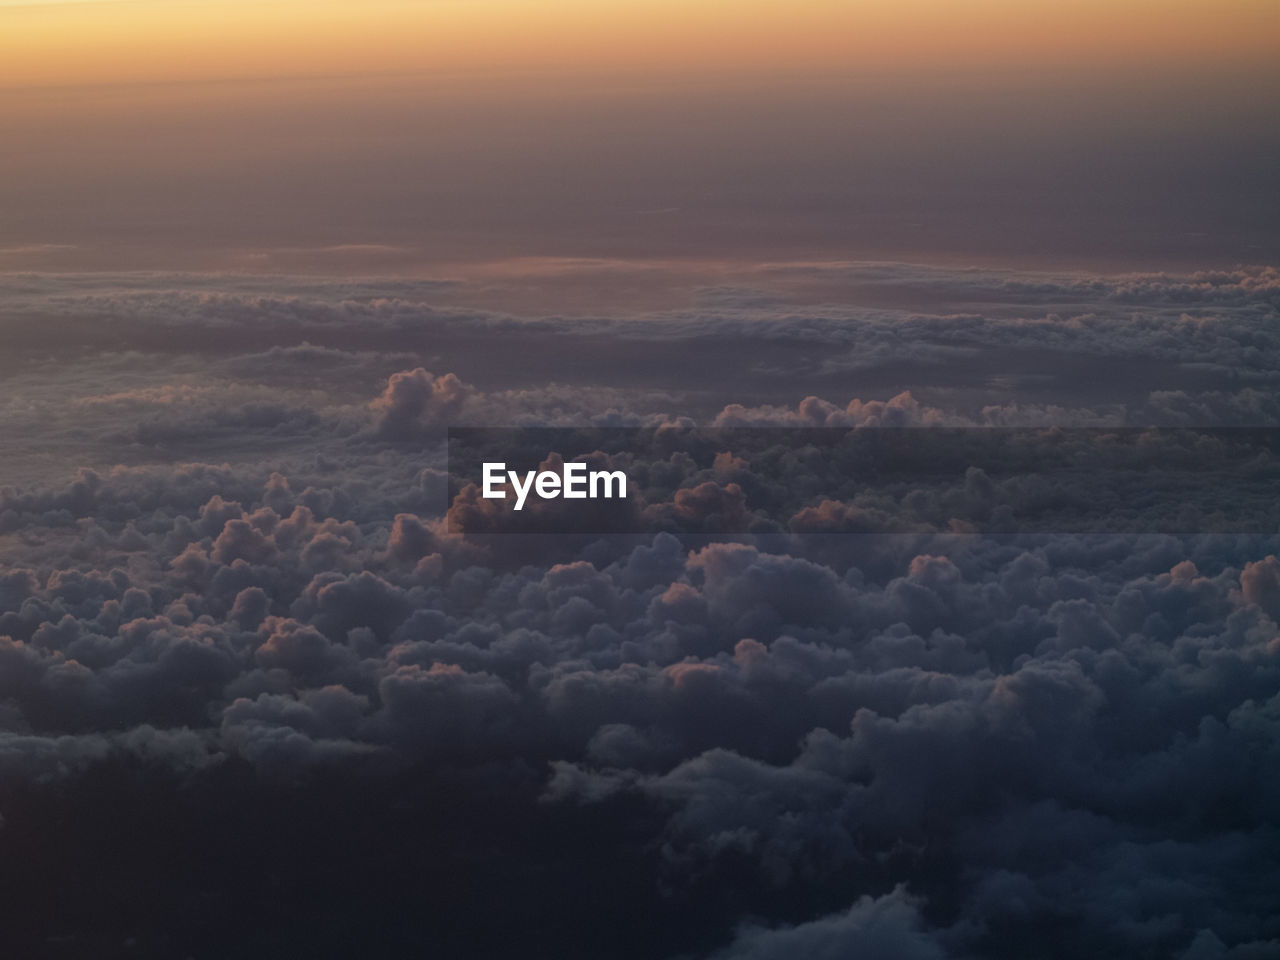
pixel 885 928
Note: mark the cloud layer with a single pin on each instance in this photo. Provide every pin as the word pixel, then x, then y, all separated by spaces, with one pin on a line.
pixel 248 670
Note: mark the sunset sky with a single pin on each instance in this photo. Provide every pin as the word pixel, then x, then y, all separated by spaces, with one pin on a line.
pixel 941 620
pixel 239 135
pixel 73 43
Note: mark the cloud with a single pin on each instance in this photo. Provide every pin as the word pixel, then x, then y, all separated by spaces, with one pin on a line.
pixel 884 928
pixel 415 400
pixel 252 632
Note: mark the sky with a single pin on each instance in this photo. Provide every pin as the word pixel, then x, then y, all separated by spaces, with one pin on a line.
pixel 940 343
pixel 259 135
pixel 158 40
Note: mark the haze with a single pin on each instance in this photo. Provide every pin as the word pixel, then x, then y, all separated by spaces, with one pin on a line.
pixel 410 135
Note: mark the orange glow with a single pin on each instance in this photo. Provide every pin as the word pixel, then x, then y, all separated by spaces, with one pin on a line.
pixel 70 43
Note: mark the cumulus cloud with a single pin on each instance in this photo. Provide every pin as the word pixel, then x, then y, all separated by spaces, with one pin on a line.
pixel 879 719
pixel 415 400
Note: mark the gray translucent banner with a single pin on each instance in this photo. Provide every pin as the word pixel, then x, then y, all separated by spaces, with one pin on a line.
pixel 693 480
